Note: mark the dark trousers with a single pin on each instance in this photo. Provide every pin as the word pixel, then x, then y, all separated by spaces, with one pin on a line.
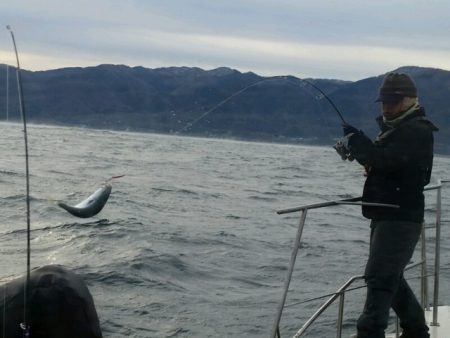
pixel 392 245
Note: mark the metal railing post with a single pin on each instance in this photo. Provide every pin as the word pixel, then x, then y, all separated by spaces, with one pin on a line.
pixel 424 278
pixel 437 258
pixel 325 306
pixel 340 314
pixel 289 274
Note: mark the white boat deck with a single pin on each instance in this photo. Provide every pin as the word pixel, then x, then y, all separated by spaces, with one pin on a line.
pixel 443 329
pixel 437 331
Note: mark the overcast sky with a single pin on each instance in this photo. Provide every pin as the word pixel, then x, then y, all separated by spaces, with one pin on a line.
pixel 340 39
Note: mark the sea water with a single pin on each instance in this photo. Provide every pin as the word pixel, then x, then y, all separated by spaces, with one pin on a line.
pixel 189 243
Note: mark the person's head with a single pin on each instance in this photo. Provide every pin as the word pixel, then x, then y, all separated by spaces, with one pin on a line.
pixel 397 94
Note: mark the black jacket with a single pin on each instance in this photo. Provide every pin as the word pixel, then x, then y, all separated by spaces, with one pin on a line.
pixel 398 165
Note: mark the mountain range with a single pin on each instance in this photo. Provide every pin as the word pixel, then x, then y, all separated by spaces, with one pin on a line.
pixel 222 102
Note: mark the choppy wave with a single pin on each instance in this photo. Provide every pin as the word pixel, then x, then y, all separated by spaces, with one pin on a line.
pixel 189 244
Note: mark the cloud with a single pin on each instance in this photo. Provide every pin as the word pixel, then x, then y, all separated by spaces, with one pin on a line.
pixel 153 48
pixel 346 39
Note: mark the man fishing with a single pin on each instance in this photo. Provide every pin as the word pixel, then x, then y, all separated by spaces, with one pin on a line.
pixel 398 165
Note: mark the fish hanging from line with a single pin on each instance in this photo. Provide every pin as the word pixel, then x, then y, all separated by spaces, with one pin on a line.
pixel 92 205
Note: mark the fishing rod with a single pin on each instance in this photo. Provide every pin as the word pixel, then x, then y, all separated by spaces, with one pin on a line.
pixel 289 79
pixel 25 326
pixel 326 97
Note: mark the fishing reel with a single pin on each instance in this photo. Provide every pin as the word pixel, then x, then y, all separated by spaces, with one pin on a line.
pixel 341 148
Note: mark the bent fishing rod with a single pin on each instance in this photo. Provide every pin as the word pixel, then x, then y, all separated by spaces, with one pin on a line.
pixel 289 79
pixel 25 326
pixel 326 97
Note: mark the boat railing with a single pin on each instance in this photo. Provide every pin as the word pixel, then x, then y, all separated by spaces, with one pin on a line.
pixel 340 293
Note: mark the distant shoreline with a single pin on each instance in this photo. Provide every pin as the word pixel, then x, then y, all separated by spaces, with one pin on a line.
pixel 286 141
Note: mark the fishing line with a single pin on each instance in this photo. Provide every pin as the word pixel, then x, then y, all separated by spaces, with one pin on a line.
pixel 288 79
pixel 114 178
pixel 221 103
pixel 24 326
pixel 7 92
